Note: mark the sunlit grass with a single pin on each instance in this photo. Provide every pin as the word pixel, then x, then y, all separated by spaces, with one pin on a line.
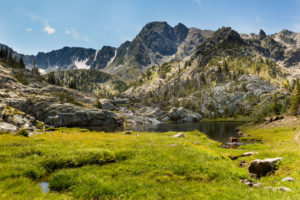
pixel 79 164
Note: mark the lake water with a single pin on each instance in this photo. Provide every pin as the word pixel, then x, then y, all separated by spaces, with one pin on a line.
pixel 219 131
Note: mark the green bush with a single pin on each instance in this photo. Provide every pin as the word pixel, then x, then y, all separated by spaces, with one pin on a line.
pixel 23 132
pixel 21 77
pixel 98 105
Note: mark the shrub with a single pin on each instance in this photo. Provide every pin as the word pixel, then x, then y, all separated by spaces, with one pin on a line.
pixel 21 77
pixel 23 132
pixel 98 104
pixel 65 97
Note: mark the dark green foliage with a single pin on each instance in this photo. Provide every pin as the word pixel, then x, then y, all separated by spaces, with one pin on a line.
pixel 295 100
pixel 23 132
pixel 72 84
pixel 7 57
pixel 51 78
pixel 19 75
pixel 35 69
pixel 275 107
pixel 98 104
pixel 21 63
pixel 244 88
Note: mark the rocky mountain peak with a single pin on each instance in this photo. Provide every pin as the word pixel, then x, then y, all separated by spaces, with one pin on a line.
pixel 227 34
pixel 181 32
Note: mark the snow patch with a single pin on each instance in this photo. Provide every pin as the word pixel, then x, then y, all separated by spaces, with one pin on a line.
pixel 113 58
pixel 96 54
pixel 42 71
pixel 81 64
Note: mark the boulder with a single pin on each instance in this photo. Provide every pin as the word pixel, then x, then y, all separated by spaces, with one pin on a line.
pixel 289 179
pixel 108 106
pixel 179 135
pixel 184 115
pixel 251 183
pixel 7 127
pixel 263 167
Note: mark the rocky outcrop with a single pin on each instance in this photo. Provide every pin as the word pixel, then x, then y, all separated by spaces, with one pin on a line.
pixel 263 167
pixel 54 105
pixel 183 115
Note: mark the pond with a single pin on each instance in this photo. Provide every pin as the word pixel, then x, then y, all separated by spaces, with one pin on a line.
pixel 219 131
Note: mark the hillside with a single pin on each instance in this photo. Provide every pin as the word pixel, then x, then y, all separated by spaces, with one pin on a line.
pixel 225 76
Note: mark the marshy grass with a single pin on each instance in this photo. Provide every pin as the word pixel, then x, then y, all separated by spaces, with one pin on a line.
pixel 79 164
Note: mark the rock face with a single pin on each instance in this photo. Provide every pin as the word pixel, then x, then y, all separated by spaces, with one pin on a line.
pixel 263 167
pixel 183 115
pixel 56 106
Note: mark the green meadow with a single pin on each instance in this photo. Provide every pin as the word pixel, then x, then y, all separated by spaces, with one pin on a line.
pixel 80 164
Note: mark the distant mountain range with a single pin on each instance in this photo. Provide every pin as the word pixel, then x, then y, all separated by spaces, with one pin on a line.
pixel 158 43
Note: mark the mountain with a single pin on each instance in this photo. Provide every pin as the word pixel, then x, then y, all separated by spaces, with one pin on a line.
pixel 157 43
pixel 72 58
pixel 227 75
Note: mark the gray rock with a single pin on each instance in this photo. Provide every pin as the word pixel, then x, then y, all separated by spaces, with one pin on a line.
pixel 263 167
pixel 289 179
pixel 251 183
pixel 108 106
pixel 184 115
pixel 8 127
pixel 179 135
pixel 249 153
pixel 284 189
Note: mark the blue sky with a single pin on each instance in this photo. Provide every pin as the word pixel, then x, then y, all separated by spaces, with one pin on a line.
pixel 43 25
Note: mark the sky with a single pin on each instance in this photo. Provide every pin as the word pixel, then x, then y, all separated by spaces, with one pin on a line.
pixel 33 26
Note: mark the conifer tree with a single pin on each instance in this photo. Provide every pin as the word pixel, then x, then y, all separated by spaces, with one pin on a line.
pixel 295 101
pixel 21 63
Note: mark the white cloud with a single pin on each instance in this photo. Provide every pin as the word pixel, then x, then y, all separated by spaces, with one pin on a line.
pixel 28 29
pixel 199 2
pixel 75 35
pixel 73 32
pixel 49 30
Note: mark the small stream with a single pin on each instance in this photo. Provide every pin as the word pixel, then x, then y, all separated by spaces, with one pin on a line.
pixel 44 186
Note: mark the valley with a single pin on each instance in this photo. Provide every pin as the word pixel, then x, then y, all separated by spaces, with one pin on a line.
pixel 176 113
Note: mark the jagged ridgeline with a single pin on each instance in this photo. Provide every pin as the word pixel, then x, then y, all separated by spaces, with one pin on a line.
pixel 90 81
pixel 225 76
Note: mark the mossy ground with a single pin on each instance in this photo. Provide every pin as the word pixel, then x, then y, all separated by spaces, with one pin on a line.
pixel 79 164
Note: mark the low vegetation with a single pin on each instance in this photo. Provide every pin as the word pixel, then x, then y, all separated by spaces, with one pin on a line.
pixel 79 164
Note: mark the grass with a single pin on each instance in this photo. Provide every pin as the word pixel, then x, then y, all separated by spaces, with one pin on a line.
pixel 239 118
pixel 79 164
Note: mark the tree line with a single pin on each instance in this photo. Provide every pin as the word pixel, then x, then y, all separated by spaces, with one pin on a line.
pixel 6 55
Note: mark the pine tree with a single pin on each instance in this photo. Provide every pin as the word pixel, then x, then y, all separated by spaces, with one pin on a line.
pixel 295 101
pixel 35 69
pixel 73 84
pixel 10 57
pixel 51 78
pixel 21 63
